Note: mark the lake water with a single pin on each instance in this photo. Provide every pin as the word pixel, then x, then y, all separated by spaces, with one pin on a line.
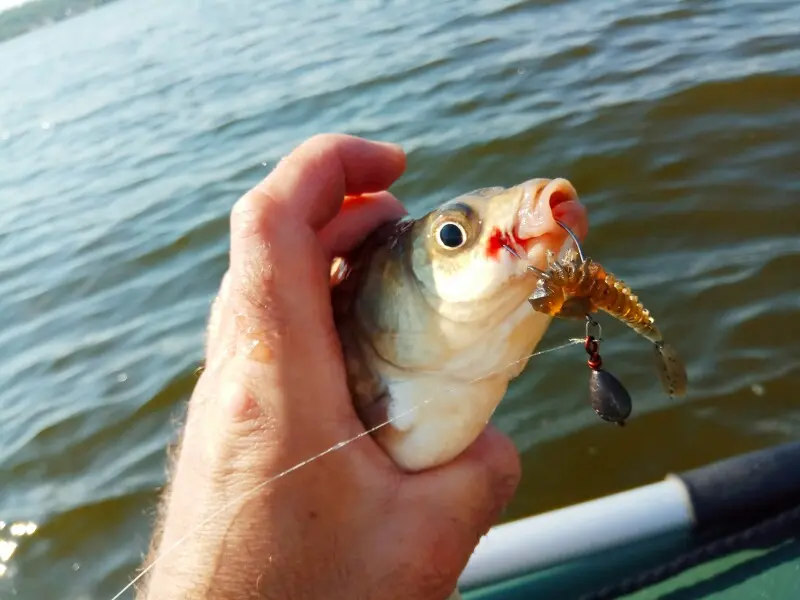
pixel 127 133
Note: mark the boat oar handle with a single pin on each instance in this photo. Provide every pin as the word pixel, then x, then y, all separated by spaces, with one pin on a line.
pixel 744 487
pixel 737 492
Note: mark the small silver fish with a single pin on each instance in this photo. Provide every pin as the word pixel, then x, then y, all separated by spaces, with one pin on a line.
pixel 435 309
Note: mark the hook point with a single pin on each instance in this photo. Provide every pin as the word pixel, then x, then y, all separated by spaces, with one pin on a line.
pixel 574 238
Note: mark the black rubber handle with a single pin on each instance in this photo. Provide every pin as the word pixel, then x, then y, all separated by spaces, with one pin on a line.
pixel 745 487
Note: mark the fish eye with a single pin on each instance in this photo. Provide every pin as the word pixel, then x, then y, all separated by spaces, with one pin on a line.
pixel 451 235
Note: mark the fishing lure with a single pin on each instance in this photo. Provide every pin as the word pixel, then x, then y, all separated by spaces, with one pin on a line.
pixel 575 287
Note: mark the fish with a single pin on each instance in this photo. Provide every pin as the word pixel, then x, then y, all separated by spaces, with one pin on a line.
pixel 575 287
pixel 433 316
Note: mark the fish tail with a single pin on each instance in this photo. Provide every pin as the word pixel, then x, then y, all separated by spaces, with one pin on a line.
pixel 671 369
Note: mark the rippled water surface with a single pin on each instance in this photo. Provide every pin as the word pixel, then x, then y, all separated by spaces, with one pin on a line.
pixel 127 133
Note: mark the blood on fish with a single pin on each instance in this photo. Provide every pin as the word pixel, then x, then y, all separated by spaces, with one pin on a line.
pixel 502 239
pixel 497 241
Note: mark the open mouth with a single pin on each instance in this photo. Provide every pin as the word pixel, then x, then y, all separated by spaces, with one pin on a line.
pixel 569 211
pixel 545 202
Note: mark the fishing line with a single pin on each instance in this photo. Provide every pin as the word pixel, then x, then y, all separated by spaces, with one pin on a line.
pixel 334 448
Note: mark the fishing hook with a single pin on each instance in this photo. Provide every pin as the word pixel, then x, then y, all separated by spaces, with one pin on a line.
pixel 593 328
pixel 536 270
pixel 574 238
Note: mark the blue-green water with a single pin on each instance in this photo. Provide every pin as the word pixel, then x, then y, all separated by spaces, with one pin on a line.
pixel 127 133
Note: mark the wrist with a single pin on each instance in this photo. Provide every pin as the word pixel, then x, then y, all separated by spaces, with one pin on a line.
pixel 211 530
pixel 209 543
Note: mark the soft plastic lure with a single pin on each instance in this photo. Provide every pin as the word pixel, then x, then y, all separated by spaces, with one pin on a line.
pixel 575 287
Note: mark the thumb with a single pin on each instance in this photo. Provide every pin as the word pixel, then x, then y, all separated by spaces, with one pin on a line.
pixel 466 497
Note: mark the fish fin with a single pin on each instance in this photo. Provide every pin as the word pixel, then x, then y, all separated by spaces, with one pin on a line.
pixel 392 408
pixel 671 370
pixel 402 406
pixel 375 413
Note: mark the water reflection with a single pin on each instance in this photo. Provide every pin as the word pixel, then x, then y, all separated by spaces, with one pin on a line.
pixel 8 545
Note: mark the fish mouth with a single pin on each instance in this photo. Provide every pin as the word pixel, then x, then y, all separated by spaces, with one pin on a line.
pixel 544 203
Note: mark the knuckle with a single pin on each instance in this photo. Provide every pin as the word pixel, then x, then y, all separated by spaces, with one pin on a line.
pixel 322 141
pixel 245 214
pixel 321 153
pixel 255 213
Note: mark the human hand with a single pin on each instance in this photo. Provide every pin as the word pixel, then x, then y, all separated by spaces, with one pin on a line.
pixel 274 393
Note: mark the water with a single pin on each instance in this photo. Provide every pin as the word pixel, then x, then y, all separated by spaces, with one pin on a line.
pixel 127 133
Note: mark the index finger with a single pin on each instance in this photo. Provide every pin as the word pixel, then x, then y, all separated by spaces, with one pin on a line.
pixel 280 291
pixel 272 224
pixel 313 180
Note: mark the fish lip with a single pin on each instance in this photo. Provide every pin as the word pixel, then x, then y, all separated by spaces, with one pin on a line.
pixel 545 201
pixel 574 215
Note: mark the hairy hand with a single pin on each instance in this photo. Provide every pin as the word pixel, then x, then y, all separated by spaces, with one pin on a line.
pixel 273 393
